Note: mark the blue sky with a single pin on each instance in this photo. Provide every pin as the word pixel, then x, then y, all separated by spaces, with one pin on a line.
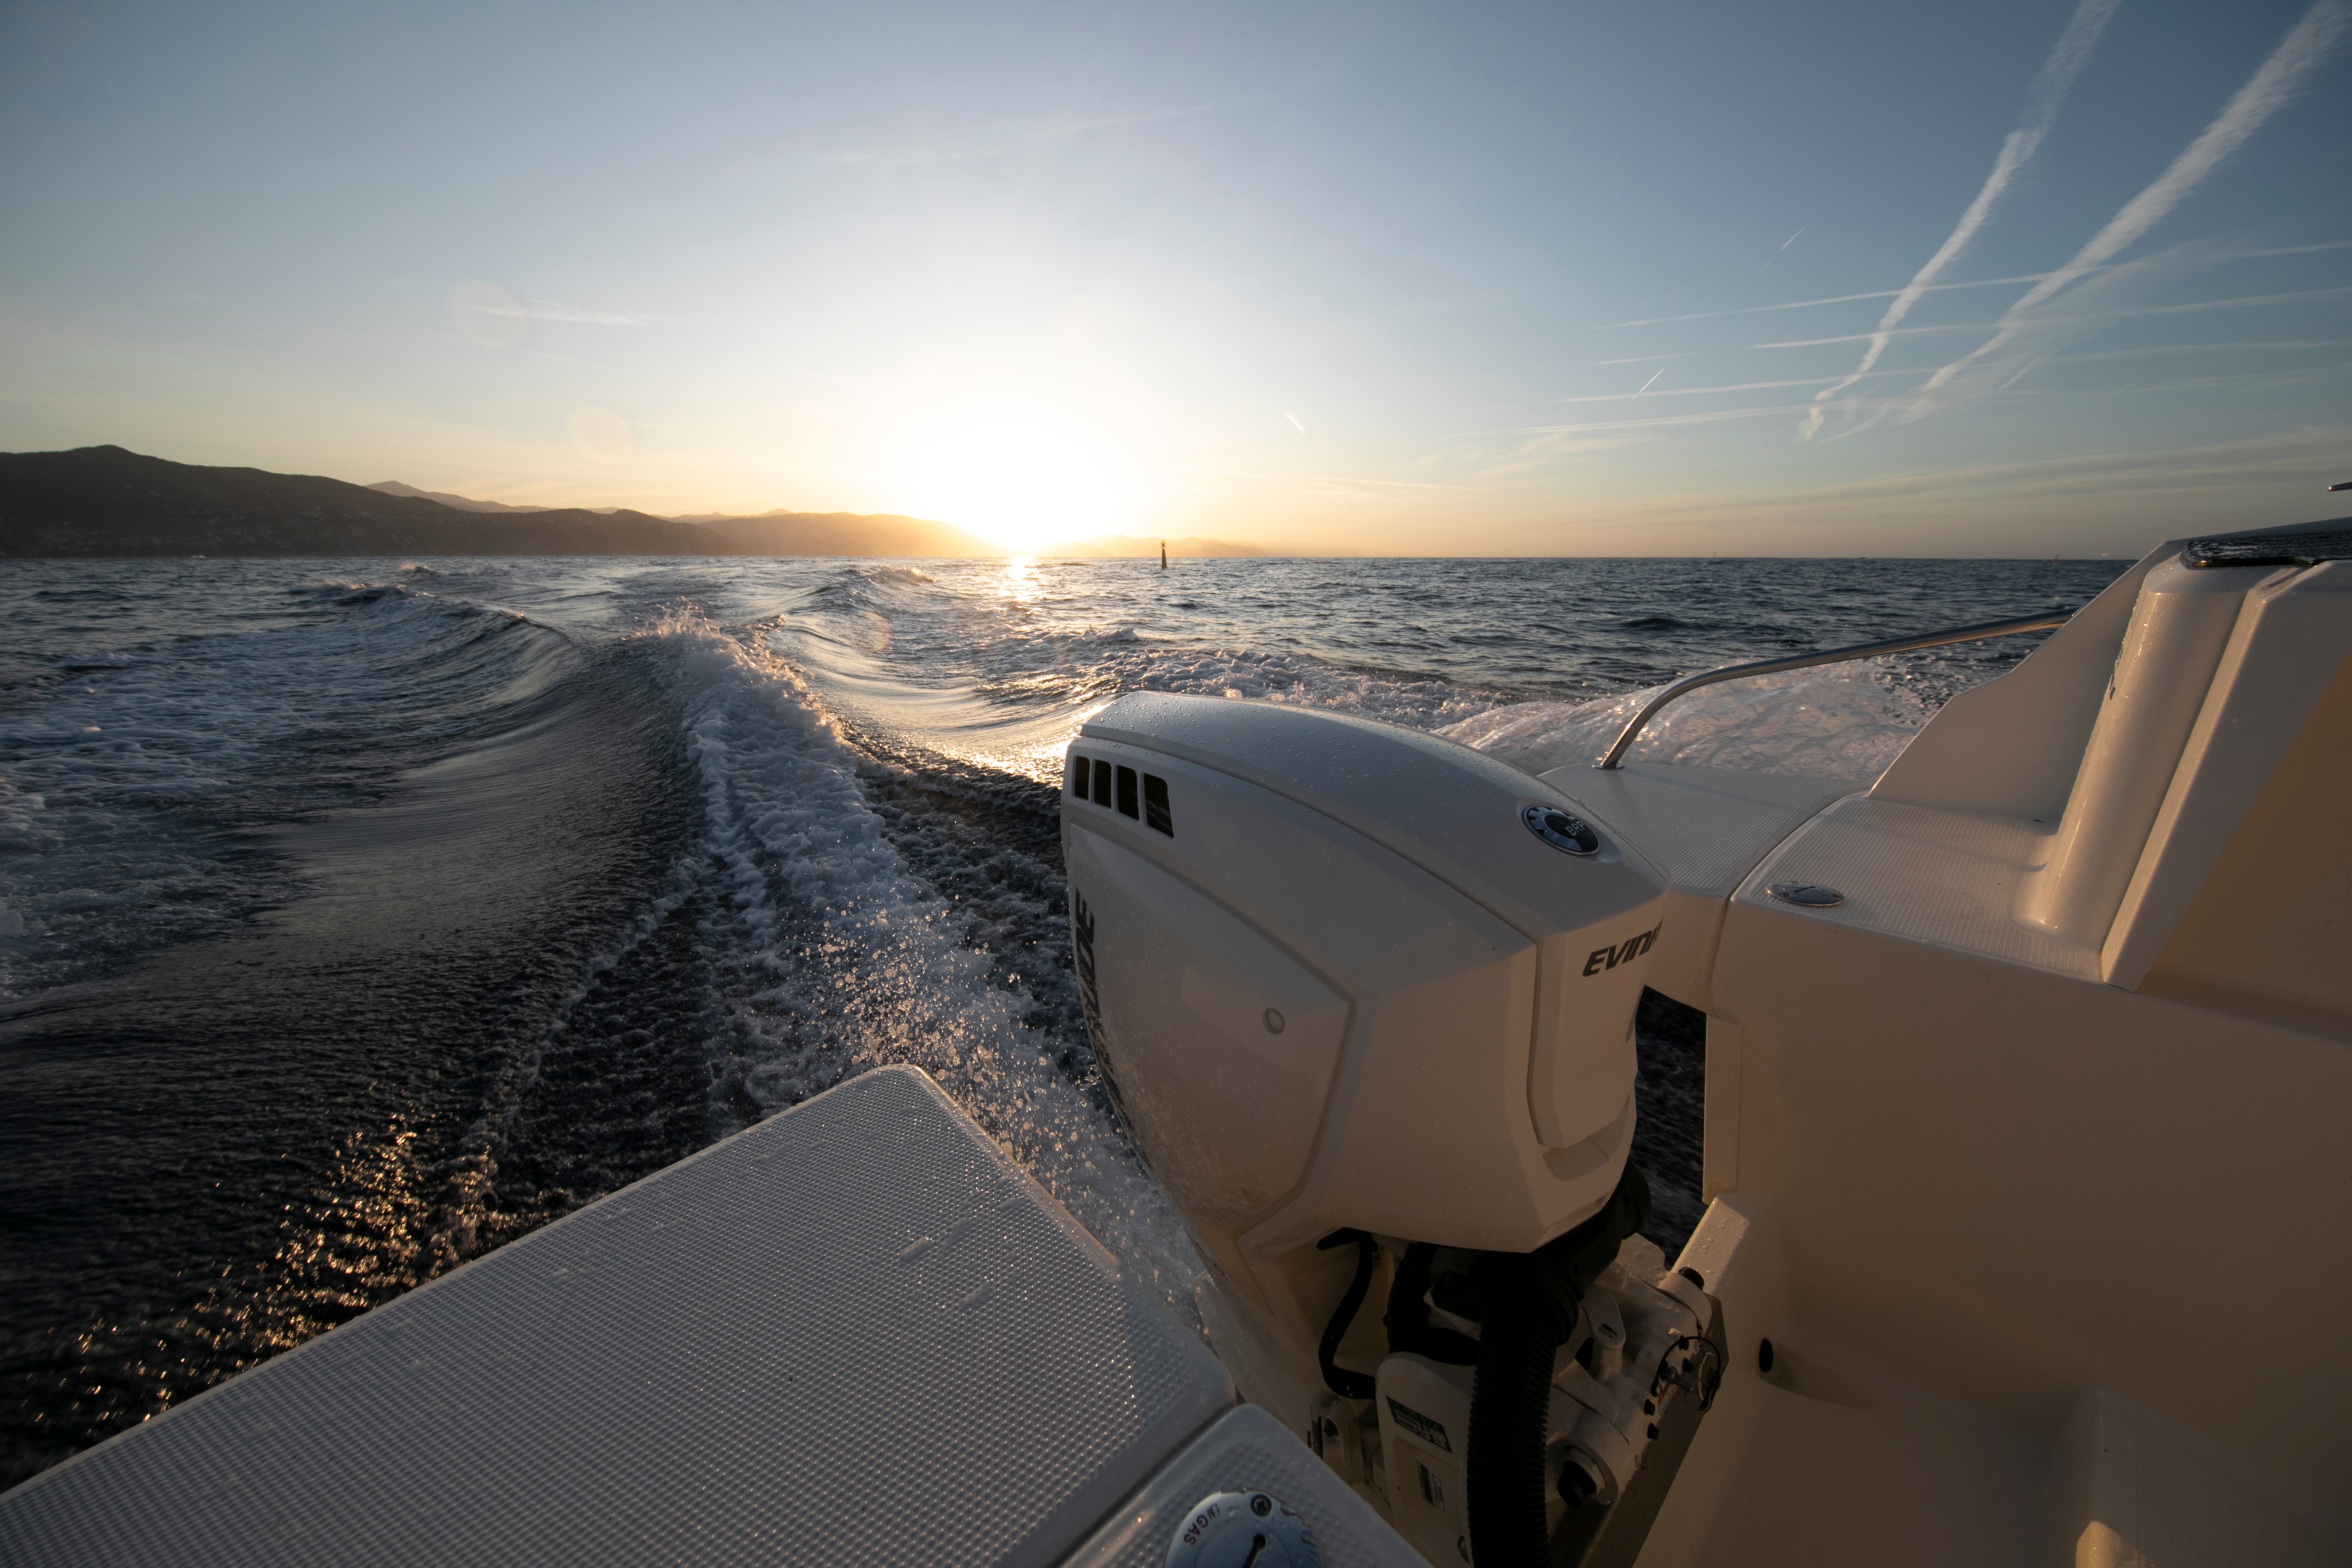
pixel 1569 278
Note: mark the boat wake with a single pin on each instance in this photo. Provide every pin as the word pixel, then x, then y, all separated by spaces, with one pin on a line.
pixel 357 916
pixel 845 923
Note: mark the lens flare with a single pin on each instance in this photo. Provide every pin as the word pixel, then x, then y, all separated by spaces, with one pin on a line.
pixel 487 314
pixel 603 435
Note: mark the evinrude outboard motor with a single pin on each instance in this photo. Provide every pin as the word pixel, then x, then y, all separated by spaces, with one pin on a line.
pixel 1366 999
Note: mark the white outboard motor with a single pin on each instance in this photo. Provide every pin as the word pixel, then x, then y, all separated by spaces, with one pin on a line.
pixel 1356 986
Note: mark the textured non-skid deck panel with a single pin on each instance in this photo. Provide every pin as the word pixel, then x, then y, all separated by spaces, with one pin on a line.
pixel 1951 877
pixel 1248 1451
pixel 1707 826
pixel 854 1333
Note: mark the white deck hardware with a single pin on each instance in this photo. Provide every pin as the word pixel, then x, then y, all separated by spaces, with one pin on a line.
pixel 1690 683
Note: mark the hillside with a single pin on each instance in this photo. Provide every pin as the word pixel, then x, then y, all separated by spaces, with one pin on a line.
pixel 468 503
pixel 104 500
pixel 455 502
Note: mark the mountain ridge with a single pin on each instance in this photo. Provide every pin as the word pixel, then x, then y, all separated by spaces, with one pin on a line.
pixel 456 502
pixel 108 502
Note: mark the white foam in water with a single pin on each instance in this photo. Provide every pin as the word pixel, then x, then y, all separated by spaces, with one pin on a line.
pixel 1307 682
pixel 1839 721
pixel 852 961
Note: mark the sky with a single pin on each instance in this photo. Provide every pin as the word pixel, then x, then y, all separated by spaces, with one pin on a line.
pixel 1695 276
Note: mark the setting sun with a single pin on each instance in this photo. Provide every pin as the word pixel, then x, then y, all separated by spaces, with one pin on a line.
pixel 1019 482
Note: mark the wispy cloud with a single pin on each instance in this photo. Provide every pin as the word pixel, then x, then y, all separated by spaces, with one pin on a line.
pixel 1702 391
pixel 1006 140
pixel 2100 475
pixel 2043 98
pixel 1871 337
pixel 2200 349
pixel 1653 359
pixel 2302 250
pixel 550 311
pixel 2244 378
pixel 1293 420
pixel 1651 421
pixel 1930 288
pixel 2092 317
pixel 1551 447
pixel 1809 304
pixel 1351 480
pixel 2301 51
pixel 1498 454
pixel 2246 301
pixel 518 347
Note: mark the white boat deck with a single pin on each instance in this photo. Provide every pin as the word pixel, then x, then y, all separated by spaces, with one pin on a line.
pixel 854 1333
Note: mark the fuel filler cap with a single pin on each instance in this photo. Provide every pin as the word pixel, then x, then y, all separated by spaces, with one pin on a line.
pixel 1243 1530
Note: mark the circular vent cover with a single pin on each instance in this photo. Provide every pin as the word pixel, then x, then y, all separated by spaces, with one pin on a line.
pixel 1563 830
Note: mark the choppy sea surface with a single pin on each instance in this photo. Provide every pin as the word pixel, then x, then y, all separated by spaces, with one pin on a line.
pixel 357 916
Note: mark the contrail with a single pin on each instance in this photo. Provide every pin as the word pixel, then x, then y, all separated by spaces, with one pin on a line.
pixel 1929 289
pixel 2305 47
pixel 2242 302
pixel 2033 122
pixel 1833 299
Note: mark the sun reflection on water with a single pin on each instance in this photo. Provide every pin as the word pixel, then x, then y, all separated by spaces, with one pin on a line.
pixel 1021 582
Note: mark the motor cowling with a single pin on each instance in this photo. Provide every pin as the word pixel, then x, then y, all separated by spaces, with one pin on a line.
pixel 1342 974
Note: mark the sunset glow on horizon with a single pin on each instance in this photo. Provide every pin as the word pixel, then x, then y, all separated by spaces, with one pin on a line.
pixel 2060 276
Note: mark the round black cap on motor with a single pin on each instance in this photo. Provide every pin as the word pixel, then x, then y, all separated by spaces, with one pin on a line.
pixel 1563 830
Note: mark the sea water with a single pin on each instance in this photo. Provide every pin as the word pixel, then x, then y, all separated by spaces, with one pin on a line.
pixel 356 916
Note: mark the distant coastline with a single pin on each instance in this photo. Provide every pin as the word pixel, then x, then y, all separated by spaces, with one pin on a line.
pixel 95 501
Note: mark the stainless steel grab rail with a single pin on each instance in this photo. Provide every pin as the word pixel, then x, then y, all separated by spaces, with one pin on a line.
pixel 1830 655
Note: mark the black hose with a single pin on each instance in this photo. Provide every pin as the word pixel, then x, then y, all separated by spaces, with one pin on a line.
pixel 1510 1407
pixel 1531 1304
pixel 1345 1384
